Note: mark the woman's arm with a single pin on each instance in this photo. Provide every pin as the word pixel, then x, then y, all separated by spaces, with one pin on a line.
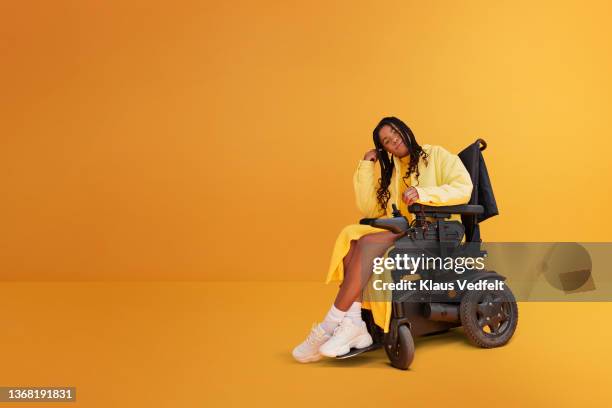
pixel 456 183
pixel 365 184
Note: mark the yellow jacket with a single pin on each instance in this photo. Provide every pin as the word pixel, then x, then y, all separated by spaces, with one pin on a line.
pixel 442 181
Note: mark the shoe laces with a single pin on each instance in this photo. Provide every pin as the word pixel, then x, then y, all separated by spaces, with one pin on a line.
pixel 314 337
pixel 342 327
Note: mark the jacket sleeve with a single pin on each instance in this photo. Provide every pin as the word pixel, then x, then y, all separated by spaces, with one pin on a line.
pixel 365 184
pixel 455 185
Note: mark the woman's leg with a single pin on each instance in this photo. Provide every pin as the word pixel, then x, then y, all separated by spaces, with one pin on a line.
pixel 358 265
pixel 346 261
pixel 346 311
pixel 357 271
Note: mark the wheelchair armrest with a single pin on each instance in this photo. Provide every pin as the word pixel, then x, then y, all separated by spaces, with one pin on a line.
pixel 395 224
pixel 367 221
pixel 464 209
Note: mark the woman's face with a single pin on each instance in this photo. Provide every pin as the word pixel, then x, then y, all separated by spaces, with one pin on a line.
pixel 392 141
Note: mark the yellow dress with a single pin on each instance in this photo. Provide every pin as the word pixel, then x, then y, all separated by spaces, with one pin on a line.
pixel 443 180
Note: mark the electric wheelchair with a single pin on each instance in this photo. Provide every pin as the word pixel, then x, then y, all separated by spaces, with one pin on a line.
pixel 489 317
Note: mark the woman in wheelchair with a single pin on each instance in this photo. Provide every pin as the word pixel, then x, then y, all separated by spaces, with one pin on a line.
pixel 409 173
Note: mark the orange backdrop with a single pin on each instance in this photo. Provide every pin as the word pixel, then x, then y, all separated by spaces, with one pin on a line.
pixel 211 141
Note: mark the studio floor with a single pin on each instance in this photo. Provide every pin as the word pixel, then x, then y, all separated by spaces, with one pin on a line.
pixel 218 344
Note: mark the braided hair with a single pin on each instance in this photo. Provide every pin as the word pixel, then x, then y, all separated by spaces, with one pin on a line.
pixel 386 160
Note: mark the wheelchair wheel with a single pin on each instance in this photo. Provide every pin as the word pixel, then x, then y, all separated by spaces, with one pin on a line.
pixel 400 352
pixel 489 318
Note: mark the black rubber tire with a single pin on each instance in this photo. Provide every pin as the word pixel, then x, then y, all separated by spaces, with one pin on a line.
pixel 401 353
pixel 469 312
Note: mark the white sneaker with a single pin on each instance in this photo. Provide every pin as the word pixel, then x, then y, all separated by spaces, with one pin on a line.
pixel 308 351
pixel 345 337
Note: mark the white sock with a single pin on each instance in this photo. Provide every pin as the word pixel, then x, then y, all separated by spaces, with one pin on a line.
pixel 332 319
pixel 354 312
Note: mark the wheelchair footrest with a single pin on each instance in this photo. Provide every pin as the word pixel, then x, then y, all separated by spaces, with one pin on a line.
pixel 356 351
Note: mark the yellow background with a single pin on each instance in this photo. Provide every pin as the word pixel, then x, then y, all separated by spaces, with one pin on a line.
pixel 150 344
pixel 201 140
pixel 215 141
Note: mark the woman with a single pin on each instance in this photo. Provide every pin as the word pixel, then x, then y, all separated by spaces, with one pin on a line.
pixel 409 173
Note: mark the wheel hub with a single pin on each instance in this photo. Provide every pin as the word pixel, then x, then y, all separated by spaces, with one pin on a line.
pixel 491 313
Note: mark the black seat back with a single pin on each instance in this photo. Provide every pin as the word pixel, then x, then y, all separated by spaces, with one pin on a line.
pixel 482 193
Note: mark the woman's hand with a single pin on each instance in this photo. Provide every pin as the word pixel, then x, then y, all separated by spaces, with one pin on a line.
pixel 410 196
pixel 371 155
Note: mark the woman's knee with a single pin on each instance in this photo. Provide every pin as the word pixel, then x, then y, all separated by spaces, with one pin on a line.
pixel 349 255
pixel 352 246
pixel 376 239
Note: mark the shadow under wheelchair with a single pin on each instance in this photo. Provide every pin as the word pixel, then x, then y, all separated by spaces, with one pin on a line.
pixel 377 358
pixel 372 359
pixel 454 336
